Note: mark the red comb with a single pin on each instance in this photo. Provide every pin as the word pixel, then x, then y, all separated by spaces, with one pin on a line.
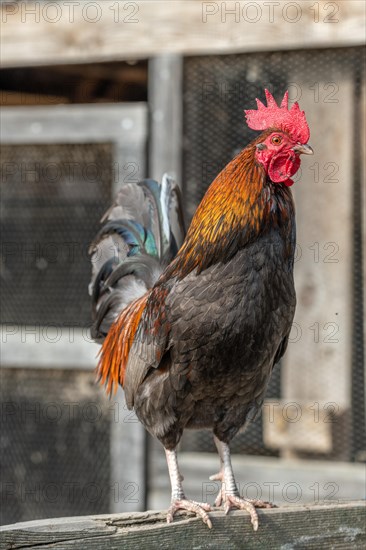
pixel 292 121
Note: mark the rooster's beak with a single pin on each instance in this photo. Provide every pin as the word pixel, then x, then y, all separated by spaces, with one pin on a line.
pixel 303 149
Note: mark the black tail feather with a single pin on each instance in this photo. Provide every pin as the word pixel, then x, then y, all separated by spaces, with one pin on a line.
pixel 142 232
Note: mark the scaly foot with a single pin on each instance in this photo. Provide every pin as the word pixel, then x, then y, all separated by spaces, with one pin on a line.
pixel 198 508
pixel 231 501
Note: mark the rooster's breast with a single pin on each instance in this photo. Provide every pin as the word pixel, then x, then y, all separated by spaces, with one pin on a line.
pixel 228 322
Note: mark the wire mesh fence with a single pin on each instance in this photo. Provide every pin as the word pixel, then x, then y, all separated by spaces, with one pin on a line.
pixel 55 438
pixel 52 198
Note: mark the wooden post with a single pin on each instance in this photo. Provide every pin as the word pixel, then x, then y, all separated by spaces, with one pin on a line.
pixel 127 449
pixel 361 454
pixel 165 102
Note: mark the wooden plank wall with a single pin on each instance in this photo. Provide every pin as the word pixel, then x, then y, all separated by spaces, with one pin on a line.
pixel 36 34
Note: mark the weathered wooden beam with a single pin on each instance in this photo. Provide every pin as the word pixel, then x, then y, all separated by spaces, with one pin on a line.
pixel 10 98
pixel 320 526
pixel 46 33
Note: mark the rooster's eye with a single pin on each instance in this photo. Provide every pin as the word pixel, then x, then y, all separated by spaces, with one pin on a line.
pixel 276 140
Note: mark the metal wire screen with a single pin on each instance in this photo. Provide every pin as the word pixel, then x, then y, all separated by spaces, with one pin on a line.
pixel 216 90
pixel 52 198
pixel 55 437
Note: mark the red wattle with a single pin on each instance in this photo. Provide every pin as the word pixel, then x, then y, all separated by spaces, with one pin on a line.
pixel 283 166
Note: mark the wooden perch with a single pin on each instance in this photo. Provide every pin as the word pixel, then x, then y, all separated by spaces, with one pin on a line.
pixel 317 526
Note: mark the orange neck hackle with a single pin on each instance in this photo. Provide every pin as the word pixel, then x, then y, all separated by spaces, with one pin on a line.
pixel 236 208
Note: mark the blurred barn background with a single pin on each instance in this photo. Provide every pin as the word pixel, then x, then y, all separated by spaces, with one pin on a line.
pixel 95 95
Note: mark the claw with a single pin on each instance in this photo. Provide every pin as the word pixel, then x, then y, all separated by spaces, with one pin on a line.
pixel 261 503
pixel 220 496
pixel 243 504
pixel 234 501
pixel 219 499
pixel 198 508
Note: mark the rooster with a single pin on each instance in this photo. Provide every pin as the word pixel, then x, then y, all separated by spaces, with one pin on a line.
pixel 192 332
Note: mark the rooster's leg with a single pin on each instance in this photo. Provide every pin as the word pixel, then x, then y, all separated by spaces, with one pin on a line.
pixel 229 494
pixel 179 501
